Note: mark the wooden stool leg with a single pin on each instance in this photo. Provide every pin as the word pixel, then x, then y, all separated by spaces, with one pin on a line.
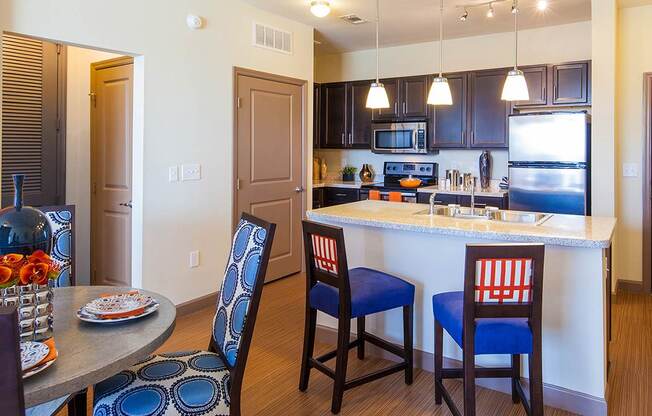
pixel 343 335
pixel 439 359
pixel 308 347
pixel 408 334
pixel 469 379
pixel 361 327
pixel 536 381
pixel 516 377
pixel 77 406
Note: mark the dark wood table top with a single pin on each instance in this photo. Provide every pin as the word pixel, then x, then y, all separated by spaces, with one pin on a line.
pixel 90 353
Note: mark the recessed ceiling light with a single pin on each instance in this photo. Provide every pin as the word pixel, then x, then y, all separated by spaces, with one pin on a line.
pixel 320 8
pixel 542 5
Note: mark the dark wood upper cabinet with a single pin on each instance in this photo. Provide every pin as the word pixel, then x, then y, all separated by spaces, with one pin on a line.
pixel 571 83
pixel 316 116
pixel 359 135
pixel 537 85
pixel 414 94
pixel 450 120
pixel 334 117
pixel 392 86
pixel 487 112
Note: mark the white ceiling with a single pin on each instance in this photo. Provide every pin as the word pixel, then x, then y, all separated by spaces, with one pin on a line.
pixel 413 21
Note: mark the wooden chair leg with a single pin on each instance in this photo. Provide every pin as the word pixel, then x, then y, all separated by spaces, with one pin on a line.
pixel 439 359
pixel 343 335
pixel 77 406
pixel 361 328
pixel 536 381
pixel 516 377
pixel 469 379
pixel 408 334
pixel 308 347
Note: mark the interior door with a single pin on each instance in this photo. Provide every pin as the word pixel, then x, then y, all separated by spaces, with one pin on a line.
pixel 269 142
pixel 111 153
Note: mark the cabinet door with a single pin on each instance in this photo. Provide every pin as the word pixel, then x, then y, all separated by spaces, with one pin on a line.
pixel 333 115
pixel 487 112
pixel 537 85
pixel 450 120
pixel 414 94
pixel 337 196
pixel 316 116
pixel 393 112
pixel 359 135
pixel 571 83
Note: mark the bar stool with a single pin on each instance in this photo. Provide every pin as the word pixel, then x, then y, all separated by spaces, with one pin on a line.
pixel 345 294
pixel 374 195
pixel 395 196
pixel 499 312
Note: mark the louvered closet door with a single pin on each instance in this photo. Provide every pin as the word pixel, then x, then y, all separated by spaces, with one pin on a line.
pixel 30 138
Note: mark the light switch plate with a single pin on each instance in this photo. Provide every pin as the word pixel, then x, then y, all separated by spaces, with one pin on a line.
pixel 173 174
pixel 194 259
pixel 191 172
pixel 630 170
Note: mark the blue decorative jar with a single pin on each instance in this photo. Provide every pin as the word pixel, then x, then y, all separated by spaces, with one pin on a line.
pixel 23 229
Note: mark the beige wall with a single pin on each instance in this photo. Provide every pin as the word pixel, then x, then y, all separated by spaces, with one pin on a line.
pixel 634 59
pixel 78 150
pixel 188 114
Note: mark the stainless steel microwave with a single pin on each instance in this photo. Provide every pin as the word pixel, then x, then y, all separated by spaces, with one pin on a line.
pixel 409 137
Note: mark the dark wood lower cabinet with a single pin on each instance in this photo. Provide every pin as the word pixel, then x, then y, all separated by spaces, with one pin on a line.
pixel 337 196
pixel 317 198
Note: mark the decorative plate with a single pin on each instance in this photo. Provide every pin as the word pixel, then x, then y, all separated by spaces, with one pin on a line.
pixel 32 353
pixel 39 368
pixel 87 316
pixel 118 304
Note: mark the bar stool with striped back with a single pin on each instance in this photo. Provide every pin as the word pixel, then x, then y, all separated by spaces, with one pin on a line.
pixel 345 294
pixel 499 312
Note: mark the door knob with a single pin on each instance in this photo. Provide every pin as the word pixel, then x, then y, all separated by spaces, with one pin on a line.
pixel 298 189
pixel 126 204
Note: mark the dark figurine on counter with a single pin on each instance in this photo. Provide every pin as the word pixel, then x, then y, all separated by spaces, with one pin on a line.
pixel 485 169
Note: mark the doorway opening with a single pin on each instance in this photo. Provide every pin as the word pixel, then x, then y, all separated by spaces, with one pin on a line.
pixel 56 137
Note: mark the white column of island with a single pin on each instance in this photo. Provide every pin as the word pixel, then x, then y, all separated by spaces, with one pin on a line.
pixel 428 251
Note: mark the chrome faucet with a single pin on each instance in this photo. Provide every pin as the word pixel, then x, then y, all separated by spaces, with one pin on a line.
pixel 473 195
pixel 432 203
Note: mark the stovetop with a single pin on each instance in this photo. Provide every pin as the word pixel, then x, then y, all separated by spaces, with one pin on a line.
pixel 395 171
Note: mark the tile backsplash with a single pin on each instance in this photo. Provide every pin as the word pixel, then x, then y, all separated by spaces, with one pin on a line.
pixel 463 160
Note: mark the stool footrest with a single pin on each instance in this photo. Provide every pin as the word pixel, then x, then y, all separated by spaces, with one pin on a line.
pixel 480 372
pixel 524 400
pixel 374 376
pixel 447 398
pixel 387 346
pixel 322 368
pixel 332 354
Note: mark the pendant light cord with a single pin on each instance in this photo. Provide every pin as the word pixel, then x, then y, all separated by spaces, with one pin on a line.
pixel 441 38
pixel 515 34
pixel 377 42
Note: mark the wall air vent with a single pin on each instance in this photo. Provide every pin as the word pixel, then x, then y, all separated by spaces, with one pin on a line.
pixel 271 38
pixel 353 19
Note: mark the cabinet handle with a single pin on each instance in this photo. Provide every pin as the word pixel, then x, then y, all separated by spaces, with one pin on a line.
pixel 545 94
pixel 404 107
pixel 464 137
pixel 472 136
pixel 341 195
pixel 343 138
pixel 350 138
pixel 395 108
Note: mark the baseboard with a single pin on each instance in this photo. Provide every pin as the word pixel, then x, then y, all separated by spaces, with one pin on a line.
pixel 553 396
pixel 194 305
pixel 632 286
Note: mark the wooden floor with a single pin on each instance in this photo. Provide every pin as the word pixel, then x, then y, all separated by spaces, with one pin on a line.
pixel 272 374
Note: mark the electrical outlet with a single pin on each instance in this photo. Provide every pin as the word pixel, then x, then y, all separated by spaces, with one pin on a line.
pixel 191 172
pixel 630 170
pixel 194 259
pixel 173 174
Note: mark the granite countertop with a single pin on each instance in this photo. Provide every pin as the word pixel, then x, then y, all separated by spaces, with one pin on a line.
pixel 560 230
pixel 491 192
pixel 339 184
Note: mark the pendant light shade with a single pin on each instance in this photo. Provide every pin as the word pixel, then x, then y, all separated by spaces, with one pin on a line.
pixel 440 91
pixel 320 8
pixel 377 97
pixel 515 88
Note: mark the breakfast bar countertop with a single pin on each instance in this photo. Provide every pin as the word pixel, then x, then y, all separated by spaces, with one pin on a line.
pixel 560 230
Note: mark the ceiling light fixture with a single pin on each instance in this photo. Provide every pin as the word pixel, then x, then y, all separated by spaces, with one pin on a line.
pixel 464 15
pixel 320 8
pixel 491 13
pixel 542 5
pixel 440 91
pixel 377 97
pixel 515 88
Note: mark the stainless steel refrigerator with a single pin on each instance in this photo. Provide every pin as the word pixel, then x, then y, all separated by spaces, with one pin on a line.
pixel 549 162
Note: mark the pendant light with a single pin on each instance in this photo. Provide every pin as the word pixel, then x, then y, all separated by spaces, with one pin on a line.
pixel 440 91
pixel 377 97
pixel 515 88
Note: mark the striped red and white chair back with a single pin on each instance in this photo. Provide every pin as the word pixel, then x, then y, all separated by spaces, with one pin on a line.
pixel 325 253
pixel 503 280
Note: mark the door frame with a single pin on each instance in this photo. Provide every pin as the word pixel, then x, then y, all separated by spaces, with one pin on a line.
pixel 95 66
pixel 237 71
pixel 647 184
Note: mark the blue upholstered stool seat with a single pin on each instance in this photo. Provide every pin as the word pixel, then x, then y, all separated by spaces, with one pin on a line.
pixel 371 292
pixel 174 384
pixel 492 335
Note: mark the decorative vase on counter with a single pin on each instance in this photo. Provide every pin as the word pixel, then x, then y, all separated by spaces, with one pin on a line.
pixel 323 171
pixel 485 169
pixel 315 169
pixel 366 174
pixel 27 272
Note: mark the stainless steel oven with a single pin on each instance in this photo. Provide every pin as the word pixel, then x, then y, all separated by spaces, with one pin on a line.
pixel 405 138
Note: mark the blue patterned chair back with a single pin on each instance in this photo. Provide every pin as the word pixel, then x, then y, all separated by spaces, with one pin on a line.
pixel 245 271
pixel 62 221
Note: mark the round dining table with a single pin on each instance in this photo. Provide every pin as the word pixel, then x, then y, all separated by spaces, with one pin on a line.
pixel 92 352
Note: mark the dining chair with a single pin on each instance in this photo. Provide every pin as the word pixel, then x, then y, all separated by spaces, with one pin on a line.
pixel 201 382
pixel 499 312
pixel 346 294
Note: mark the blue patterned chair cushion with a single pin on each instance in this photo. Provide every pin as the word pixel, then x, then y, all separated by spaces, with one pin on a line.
pixel 61 220
pixel 181 383
pixel 237 288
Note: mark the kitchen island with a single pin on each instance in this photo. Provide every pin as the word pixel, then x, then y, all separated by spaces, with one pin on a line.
pixel 428 251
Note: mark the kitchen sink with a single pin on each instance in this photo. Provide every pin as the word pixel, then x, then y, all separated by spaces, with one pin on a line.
pixel 491 214
pixel 519 217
